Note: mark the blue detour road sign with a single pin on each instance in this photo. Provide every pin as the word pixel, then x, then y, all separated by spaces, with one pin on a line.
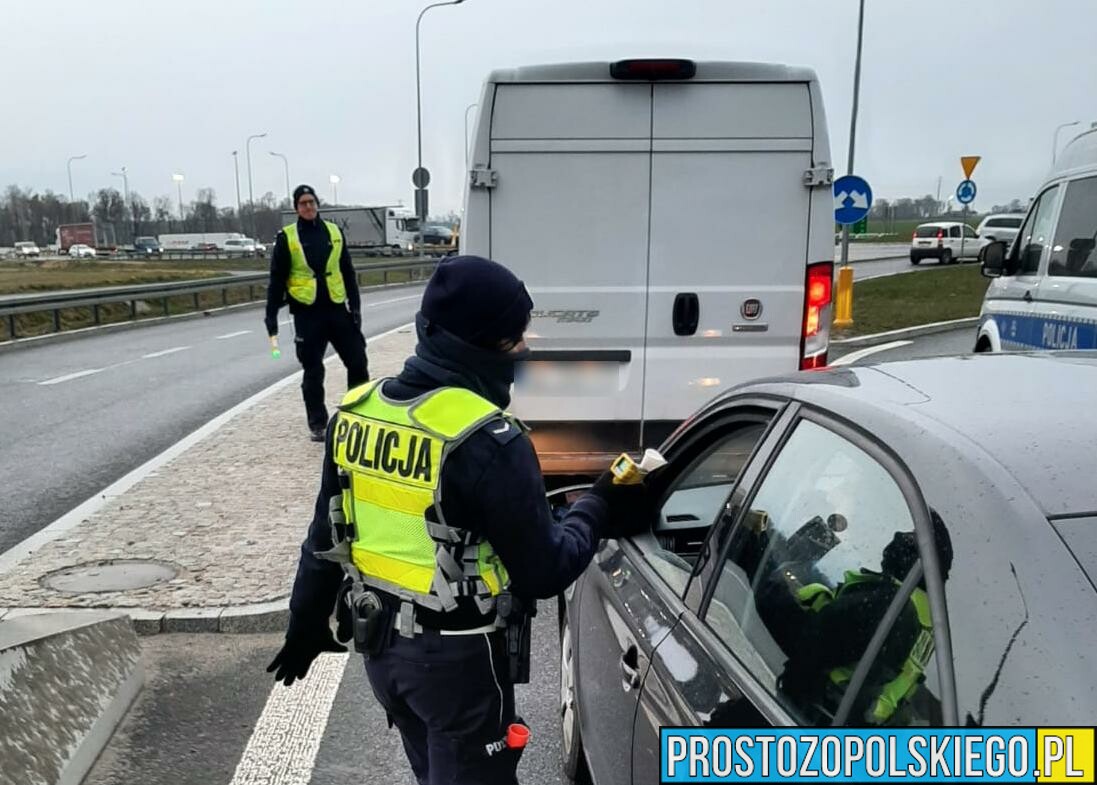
pixel 852 199
pixel 965 192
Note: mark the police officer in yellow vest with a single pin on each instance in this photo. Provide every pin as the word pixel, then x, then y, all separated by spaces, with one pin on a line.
pixel 836 625
pixel 311 269
pixel 432 525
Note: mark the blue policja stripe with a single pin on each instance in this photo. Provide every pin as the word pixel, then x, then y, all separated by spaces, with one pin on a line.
pixel 847 755
pixel 1045 333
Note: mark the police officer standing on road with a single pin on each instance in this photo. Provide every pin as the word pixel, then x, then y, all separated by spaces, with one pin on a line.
pixel 312 270
pixel 432 528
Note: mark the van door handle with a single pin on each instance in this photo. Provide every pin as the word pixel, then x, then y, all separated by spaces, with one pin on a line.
pixel 630 669
pixel 1028 297
pixel 687 313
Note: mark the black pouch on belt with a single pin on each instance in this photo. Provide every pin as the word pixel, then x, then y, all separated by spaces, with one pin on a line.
pixel 518 616
pixel 372 625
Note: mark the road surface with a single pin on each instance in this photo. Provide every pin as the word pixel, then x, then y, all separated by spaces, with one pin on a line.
pixel 79 414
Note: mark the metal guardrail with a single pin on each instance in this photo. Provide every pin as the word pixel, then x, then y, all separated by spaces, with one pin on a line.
pixel 55 302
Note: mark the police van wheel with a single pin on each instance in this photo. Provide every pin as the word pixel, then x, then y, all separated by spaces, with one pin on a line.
pixel 569 709
pixel 946 257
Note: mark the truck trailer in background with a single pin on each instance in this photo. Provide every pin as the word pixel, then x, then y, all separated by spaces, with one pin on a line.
pixel 207 241
pixel 69 235
pixel 385 228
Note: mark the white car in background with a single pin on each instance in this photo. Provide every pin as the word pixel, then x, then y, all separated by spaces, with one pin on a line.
pixel 239 246
pixel 945 241
pixel 1002 227
pixel 81 251
pixel 25 250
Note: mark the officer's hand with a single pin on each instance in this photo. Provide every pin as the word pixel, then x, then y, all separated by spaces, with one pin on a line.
pixel 272 326
pixel 630 507
pixel 292 663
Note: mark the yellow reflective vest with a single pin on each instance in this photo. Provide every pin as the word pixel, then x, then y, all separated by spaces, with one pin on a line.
pixel 391 456
pixel 301 285
pixel 903 685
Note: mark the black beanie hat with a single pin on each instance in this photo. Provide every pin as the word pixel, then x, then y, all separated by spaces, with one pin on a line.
pixel 300 191
pixel 478 300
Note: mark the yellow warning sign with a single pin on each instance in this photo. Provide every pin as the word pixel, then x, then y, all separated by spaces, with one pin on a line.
pixel 969 162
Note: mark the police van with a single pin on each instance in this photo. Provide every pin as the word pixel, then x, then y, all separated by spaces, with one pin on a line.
pixel 1044 292
pixel 673 221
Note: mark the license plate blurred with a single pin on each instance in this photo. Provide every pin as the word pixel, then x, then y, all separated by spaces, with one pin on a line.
pixel 568 378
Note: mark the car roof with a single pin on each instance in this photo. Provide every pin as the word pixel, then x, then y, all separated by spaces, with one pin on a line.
pixel 942 223
pixel 1004 215
pixel 1031 413
pixel 1078 157
pixel 707 71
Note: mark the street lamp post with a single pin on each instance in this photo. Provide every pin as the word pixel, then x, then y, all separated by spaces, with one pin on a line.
pixel 420 203
pixel 1055 139
pixel 178 178
pixel 125 192
pixel 69 167
pixel 251 193
pixel 236 172
pixel 853 118
pixel 334 180
pixel 285 164
pixel 468 109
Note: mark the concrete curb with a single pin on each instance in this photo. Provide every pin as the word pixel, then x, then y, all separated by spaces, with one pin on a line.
pixel 232 619
pixel 66 682
pixel 907 332
pixel 66 335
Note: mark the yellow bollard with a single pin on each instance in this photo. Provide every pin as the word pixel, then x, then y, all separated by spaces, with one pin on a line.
pixel 843 305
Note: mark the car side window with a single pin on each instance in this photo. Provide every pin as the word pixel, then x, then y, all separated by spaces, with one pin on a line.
pixel 968 231
pixel 696 499
pixel 1072 253
pixel 954 231
pixel 1036 233
pixel 813 564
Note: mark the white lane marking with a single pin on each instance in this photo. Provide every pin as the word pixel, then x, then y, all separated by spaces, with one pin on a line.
pixel 860 354
pixel 68 377
pixel 164 352
pixel 282 748
pixel 78 514
pixel 368 303
pixel 232 335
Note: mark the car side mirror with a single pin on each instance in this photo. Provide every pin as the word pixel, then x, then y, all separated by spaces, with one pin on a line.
pixel 993 258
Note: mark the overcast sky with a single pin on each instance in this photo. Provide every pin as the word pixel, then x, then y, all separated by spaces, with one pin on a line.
pixel 165 85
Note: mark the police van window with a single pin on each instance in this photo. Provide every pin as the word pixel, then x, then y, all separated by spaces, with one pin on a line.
pixel 1035 234
pixel 1072 253
pixel 813 565
pixel 696 500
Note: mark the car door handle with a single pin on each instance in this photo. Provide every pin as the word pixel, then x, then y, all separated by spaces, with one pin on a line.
pixel 630 669
pixel 687 313
pixel 1028 297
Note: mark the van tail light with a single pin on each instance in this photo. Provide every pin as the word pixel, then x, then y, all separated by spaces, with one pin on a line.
pixel 914 235
pixel 653 70
pixel 818 294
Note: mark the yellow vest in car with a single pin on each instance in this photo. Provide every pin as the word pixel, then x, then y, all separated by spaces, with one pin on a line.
pixel 904 685
pixel 302 280
pixel 391 456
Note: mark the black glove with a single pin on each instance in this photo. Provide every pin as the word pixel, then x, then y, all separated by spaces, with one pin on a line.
pixel 302 646
pixel 272 325
pixel 356 317
pixel 630 507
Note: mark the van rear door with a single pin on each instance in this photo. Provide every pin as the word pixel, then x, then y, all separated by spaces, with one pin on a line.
pixel 569 214
pixel 729 238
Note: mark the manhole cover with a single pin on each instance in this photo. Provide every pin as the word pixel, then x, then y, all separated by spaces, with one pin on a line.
pixel 112 575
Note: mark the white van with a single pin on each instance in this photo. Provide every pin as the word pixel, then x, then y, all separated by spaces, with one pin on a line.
pixel 674 224
pixel 1044 293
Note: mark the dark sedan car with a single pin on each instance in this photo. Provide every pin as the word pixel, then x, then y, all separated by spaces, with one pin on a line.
pixel 906 544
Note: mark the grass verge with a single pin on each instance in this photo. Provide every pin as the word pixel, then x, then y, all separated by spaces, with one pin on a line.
pixel 18 278
pixel 911 299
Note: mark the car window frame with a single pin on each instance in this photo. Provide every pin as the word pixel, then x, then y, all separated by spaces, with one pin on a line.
pixel 1065 186
pixel 1014 257
pixel 743 410
pixel 928 562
